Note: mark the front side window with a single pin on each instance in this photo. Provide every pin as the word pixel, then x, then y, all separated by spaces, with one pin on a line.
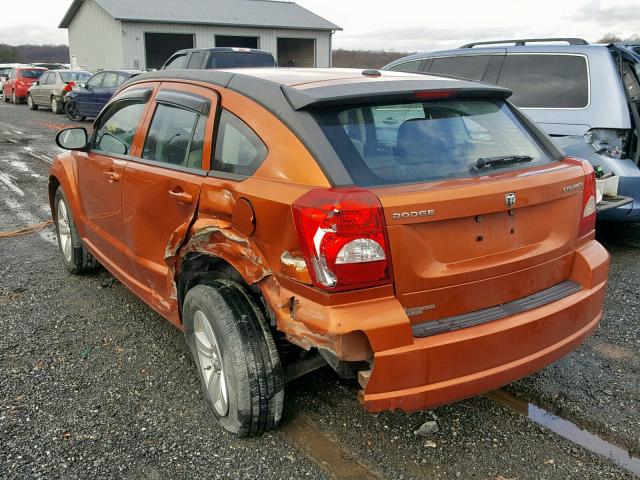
pixel 407 66
pixel 176 137
pixel 110 80
pixel 95 81
pixel 546 81
pixel 238 149
pixel 393 144
pixel 468 66
pixel 117 128
pixel 51 79
pixel 176 62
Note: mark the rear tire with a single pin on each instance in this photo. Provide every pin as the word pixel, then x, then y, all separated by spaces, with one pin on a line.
pixel 77 260
pixel 6 99
pixel 30 103
pixel 15 99
pixel 237 360
pixel 56 106
pixel 71 111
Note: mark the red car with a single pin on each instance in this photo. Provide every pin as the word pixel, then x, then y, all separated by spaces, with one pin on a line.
pixel 20 79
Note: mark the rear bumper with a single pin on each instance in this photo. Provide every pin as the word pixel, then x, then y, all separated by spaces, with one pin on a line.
pixel 452 366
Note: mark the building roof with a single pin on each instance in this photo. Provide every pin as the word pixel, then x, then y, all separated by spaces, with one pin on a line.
pixel 247 13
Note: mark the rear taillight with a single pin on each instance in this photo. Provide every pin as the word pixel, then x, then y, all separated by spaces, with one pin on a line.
pixel 69 86
pixel 343 239
pixel 588 210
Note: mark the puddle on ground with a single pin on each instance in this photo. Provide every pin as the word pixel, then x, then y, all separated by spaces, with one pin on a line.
pixel 568 430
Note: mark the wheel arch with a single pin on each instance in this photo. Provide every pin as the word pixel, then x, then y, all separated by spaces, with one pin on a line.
pixel 62 174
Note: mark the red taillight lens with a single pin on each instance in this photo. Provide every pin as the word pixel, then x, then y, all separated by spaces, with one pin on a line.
pixel 69 86
pixel 588 211
pixel 342 237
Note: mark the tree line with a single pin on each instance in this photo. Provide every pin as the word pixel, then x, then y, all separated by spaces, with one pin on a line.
pixel 34 53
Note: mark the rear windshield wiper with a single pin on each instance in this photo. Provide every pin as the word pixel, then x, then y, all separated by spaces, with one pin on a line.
pixel 490 162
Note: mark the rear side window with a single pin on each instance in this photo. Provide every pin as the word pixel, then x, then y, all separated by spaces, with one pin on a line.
pixel 74 76
pixel 175 137
pixel 425 141
pixel 196 60
pixel 546 81
pixel 238 149
pixel 467 66
pixel 408 66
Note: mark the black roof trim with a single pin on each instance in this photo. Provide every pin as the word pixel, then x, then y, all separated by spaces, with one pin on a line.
pixel 190 101
pixel 393 90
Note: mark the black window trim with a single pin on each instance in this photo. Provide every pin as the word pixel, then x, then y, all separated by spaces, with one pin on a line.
pixel 566 54
pixel 169 166
pixel 185 100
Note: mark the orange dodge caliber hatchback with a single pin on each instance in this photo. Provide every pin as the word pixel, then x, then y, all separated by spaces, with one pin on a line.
pixel 416 232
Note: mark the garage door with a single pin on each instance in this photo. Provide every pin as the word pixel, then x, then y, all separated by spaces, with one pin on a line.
pixel 160 46
pixel 296 52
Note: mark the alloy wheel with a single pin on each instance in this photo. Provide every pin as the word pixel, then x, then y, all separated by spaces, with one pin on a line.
pixel 210 363
pixel 64 231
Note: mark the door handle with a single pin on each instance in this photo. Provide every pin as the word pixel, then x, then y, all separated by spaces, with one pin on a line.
pixel 180 195
pixel 111 176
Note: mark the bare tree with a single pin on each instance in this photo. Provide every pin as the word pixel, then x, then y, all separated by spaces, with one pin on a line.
pixel 609 38
pixel 365 58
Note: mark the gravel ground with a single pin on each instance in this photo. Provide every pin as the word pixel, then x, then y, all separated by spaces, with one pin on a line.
pixel 93 384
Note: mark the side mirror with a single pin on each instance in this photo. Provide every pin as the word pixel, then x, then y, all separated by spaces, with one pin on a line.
pixel 72 138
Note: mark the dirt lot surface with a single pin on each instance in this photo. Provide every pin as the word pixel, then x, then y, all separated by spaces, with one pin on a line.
pixel 93 384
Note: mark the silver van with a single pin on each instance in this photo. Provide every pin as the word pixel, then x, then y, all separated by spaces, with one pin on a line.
pixel 586 97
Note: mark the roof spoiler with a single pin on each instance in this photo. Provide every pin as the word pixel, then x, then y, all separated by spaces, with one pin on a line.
pixel 388 91
pixel 521 42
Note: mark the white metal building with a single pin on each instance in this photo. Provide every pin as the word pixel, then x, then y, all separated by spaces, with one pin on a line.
pixel 141 34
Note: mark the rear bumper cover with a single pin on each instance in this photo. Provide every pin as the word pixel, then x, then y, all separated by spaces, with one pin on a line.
pixel 452 366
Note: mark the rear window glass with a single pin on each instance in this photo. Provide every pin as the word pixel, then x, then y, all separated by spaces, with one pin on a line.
pixel 74 76
pixel 468 66
pixel 426 141
pixel 239 59
pixel 31 73
pixel 546 81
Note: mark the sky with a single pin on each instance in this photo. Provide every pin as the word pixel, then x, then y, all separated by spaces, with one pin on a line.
pixel 401 25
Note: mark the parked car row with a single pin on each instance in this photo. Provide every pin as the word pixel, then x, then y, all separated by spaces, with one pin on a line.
pixel 77 93
pixel 80 95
